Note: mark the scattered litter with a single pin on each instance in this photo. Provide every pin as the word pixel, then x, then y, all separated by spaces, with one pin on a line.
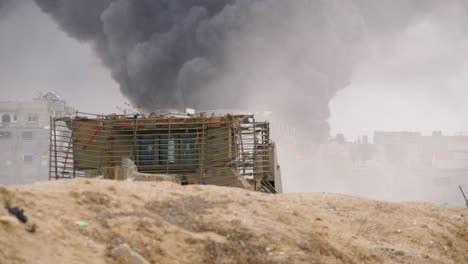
pixel 18 212
pixel 456 216
pixel 82 223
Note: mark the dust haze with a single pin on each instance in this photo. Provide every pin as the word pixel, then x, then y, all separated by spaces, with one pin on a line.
pixel 313 68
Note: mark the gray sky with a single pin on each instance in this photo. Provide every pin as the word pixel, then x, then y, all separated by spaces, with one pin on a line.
pixel 417 82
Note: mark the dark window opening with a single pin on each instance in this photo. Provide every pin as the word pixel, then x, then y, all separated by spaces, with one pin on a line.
pixel 167 150
pixel 171 153
pixel 6 118
pixel 5 134
pixel 27 135
pixel 146 150
pixel 28 158
pixel 33 118
pixel 163 149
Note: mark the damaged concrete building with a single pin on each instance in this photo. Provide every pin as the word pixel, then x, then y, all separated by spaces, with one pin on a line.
pixel 228 150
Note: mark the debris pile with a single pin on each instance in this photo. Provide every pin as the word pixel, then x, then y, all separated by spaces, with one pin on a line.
pixel 103 221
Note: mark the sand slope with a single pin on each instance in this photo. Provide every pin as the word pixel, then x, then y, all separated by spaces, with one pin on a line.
pixel 168 223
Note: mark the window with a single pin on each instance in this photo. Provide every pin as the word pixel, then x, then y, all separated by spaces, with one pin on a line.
pixel 171 151
pixel 6 118
pixel 27 135
pixel 28 158
pixel 5 134
pixel 33 118
pixel 180 150
pixel 167 150
pixel 15 117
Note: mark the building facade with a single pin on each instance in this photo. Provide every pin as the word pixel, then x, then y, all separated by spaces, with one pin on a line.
pixel 24 137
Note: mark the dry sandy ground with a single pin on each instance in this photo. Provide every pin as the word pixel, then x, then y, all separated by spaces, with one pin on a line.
pixel 168 223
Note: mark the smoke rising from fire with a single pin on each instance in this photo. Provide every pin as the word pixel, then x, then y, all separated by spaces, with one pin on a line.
pixel 290 55
pixel 287 56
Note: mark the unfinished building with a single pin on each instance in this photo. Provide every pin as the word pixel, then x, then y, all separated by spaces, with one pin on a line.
pixel 229 150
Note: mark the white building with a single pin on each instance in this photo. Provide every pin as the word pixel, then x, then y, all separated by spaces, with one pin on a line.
pixel 24 137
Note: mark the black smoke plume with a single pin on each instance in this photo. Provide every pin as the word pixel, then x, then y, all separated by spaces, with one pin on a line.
pixel 290 57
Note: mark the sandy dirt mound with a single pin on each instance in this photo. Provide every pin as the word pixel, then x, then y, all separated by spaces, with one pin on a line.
pixel 168 223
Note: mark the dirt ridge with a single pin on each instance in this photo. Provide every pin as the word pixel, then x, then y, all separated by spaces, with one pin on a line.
pixel 169 223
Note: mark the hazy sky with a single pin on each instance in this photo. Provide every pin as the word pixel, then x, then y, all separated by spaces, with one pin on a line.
pixel 418 81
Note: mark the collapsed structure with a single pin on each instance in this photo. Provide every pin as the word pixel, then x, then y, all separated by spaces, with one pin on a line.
pixel 229 150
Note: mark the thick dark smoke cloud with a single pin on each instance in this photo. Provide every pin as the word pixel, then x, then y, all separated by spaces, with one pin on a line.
pixel 290 56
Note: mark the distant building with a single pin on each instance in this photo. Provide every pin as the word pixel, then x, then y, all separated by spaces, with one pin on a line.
pixel 402 150
pixel 398 149
pixel 414 150
pixel 24 137
pixel 455 155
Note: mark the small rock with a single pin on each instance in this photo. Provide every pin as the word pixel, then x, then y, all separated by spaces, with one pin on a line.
pixel 9 220
pixel 391 252
pixel 126 254
pixel 242 243
pixel 31 227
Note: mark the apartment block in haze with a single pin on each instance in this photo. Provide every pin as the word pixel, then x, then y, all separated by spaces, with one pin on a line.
pixel 24 137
